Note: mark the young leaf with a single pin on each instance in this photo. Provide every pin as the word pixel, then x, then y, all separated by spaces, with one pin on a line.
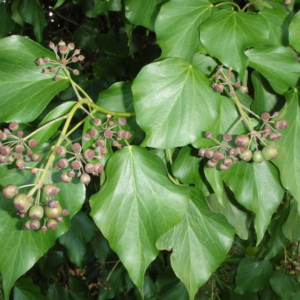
pixel 24 89
pixel 226 34
pixel 81 232
pixel 200 243
pixel 32 13
pixel 288 146
pixel 22 248
pixel 252 275
pixel 294 32
pixel 277 64
pixel 177 27
pixel 140 14
pixel 257 187
pixel 178 104
pixel 136 206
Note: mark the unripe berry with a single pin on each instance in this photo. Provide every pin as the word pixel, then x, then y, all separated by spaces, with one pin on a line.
pixel 50 190
pixel 100 142
pixel 275 135
pixel 3 158
pixel 10 191
pixel 246 155
pixel 27 225
pixel 71 173
pixel 35 224
pixel 63 163
pixel 81 57
pixel 76 164
pixel 218 155
pixel 98 167
pixel 108 134
pixel 13 126
pixel 65 212
pixel 242 141
pixel 3 136
pixel 76 147
pixel 244 89
pixel 61 150
pixel 227 137
pixel 36 212
pixel 209 153
pixel 223 167
pixel 93 132
pixel 281 124
pixel 63 49
pixel 19 148
pixel 227 162
pixel 5 150
pixel 32 143
pixel 211 164
pixel 89 168
pixel 65 177
pixel 122 121
pixel 36 157
pixel 40 61
pixel 86 137
pixel 85 178
pixel 257 156
pixel 97 122
pixel 21 202
pixel 202 151
pixel 71 46
pixel 276 114
pixel 52 224
pixel 74 59
pixel 53 212
pixel 46 59
pixel 20 163
pixel 53 203
pixel 265 116
pixel 237 84
pixel 20 133
pixel 269 152
pixel 208 134
pixel 76 72
pixel 89 154
pixel 219 88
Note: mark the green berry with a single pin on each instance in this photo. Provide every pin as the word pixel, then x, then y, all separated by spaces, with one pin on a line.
pixel 269 152
pixel 10 191
pixel 36 212
pixel 258 157
pixel 246 155
pixel 53 212
pixel 21 202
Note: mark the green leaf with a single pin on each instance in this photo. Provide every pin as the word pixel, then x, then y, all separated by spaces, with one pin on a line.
pixel 205 63
pixel 14 259
pixel 294 32
pixel 257 187
pixel 59 3
pixel 226 34
pixel 114 42
pixel 25 289
pixel 7 24
pixel 235 216
pixel 87 7
pixel 178 104
pixel 101 6
pixel 50 263
pixel 57 292
pixel 140 14
pixel 137 205
pixel 278 21
pixel 44 134
pixel 177 26
pixel 15 15
pixel 84 36
pixel 228 116
pixel 24 90
pixel 32 13
pixel 214 177
pixel 252 275
pixel 265 99
pixel 284 286
pixel 81 231
pixel 277 64
pixel 200 243
pixel 186 168
pixel 288 159
pixel 291 228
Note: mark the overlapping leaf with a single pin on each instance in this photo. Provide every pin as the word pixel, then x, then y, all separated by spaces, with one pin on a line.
pixel 294 32
pixel 24 89
pixel 257 187
pixel 101 6
pixel 140 14
pixel 177 27
pixel 288 160
pixel 200 243
pixel 7 24
pixel 291 228
pixel 177 106
pixel 22 248
pixel 226 34
pixel 25 289
pixel 137 205
pixel 277 64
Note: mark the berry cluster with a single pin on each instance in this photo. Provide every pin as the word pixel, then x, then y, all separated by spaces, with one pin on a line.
pixel 61 62
pixel 26 206
pixel 87 162
pixel 14 147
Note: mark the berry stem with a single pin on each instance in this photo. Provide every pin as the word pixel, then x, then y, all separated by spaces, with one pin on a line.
pixel 228 2
pixel 251 112
pixel 235 125
pixel 109 275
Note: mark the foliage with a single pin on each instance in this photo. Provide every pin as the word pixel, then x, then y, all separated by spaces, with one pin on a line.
pixel 149 150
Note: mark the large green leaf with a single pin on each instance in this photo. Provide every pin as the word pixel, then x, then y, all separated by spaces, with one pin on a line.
pixel 291 228
pixel 141 13
pixel 25 289
pixel 200 243
pixel 101 6
pixel 84 36
pixel 252 275
pixel 80 233
pixel 294 32
pixel 137 205
pixel 226 34
pixel 277 64
pixel 265 99
pixel 236 217
pixel 257 187
pixel 288 160
pixel 177 27
pixel 24 89
pixel 32 13
pixel 22 248
pixel 278 21
pixel 7 24
pixel 177 106
pixel 284 286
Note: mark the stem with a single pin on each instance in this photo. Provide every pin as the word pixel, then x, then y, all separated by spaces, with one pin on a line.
pixel 51 122
pixel 108 277
pixel 248 4
pixel 235 125
pixel 232 3
pixel 75 127
pixel 113 113
pixel 251 112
